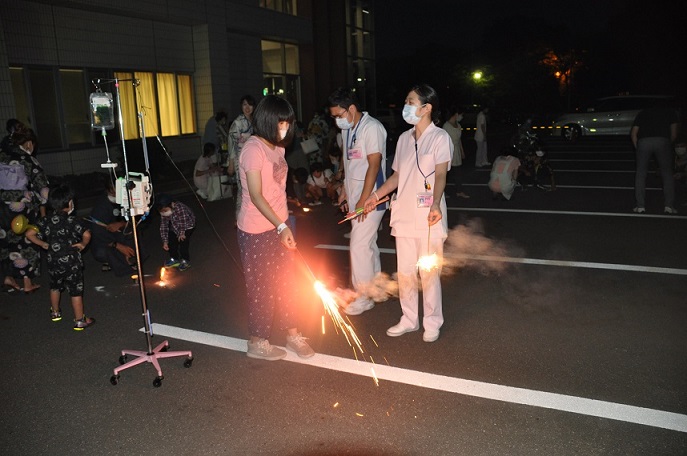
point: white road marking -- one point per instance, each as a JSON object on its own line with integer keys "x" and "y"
{"x": 579, "y": 187}
{"x": 573, "y": 404}
{"x": 563, "y": 263}
{"x": 596, "y": 214}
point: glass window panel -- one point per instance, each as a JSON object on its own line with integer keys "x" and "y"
{"x": 75, "y": 107}
{"x": 46, "y": 117}
{"x": 272, "y": 57}
{"x": 126, "y": 95}
{"x": 21, "y": 100}
{"x": 169, "y": 109}
{"x": 291, "y": 58}
{"x": 146, "y": 102}
{"x": 186, "y": 112}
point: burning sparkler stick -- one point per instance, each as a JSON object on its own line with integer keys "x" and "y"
{"x": 332, "y": 309}
{"x": 428, "y": 262}
{"x": 358, "y": 212}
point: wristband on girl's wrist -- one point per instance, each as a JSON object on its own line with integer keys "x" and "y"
{"x": 281, "y": 227}
{"x": 374, "y": 192}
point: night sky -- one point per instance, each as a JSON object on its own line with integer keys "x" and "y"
{"x": 625, "y": 47}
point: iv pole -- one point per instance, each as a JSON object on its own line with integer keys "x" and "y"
{"x": 151, "y": 355}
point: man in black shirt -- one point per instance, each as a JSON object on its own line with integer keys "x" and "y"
{"x": 653, "y": 132}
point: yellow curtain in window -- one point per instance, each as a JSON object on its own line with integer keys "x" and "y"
{"x": 126, "y": 96}
{"x": 188, "y": 120}
{"x": 167, "y": 99}
{"x": 146, "y": 102}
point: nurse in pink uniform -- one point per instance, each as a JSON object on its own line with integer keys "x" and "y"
{"x": 422, "y": 160}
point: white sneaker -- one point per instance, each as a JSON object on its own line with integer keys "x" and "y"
{"x": 299, "y": 346}
{"x": 430, "y": 336}
{"x": 669, "y": 210}
{"x": 263, "y": 350}
{"x": 359, "y": 306}
{"x": 639, "y": 210}
{"x": 399, "y": 330}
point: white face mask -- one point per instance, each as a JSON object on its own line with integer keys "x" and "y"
{"x": 71, "y": 208}
{"x": 166, "y": 213}
{"x": 112, "y": 198}
{"x": 343, "y": 123}
{"x": 459, "y": 117}
{"x": 283, "y": 133}
{"x": 409, "y": 114}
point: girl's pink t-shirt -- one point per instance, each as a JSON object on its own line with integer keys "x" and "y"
{"x": 257, "y": 156}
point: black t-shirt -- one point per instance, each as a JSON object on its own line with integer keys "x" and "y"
{"x": 655, "y": 122}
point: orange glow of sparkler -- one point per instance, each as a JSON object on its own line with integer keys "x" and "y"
{"x": 332, "y": 308}
{"x": 162, "y": 282}
{"x": 306, "y": 209}
{"x": 428, "y": 262}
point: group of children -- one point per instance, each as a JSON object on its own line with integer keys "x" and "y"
{"x": 64, "y": 236}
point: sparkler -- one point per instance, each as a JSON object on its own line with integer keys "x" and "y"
{"x": 428, "y": 262}
{"x": 359, "y": 211}
{"x": 162, "y": 282}
{"x": 332, "y": 309}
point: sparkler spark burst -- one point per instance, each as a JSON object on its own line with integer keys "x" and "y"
{"x": 428, "y": 262}
{"x": 163, "y": 271}
{"x": 332, "y": 308}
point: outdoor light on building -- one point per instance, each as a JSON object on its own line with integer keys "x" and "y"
{"x": 476, "y": 76}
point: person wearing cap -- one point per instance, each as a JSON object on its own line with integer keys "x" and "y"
{"x": 179, "y": 219}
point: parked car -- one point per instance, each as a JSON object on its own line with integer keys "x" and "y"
{"x": 608, "y": 116}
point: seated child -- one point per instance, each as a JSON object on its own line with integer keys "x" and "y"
{"x": 207, "y": 168}
{"x": 64, "y": 237}
{"x": 178, "y": 218}
{"x": 320, "y": 180}
{"x": 504, "y": 175}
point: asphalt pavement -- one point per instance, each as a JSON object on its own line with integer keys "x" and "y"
{"x": 564, "y": 335}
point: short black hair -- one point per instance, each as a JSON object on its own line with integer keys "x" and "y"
{"x": 163, "y": 200}
{"x": 270, "y": 111}
{"x": 315, "y": 167}
{"x": 60, "y": 196}
{"x": 12, "y": 124}
{"x": 344, "y": 97}
{"x": 208, "y": 149}
{"x": 247, "y": 98}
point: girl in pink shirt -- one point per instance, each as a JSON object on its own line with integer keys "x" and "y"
{"x": 265, "y": 240}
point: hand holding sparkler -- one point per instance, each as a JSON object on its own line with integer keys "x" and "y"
{"x": 434, "y": 215}
{"x": 359, "y": 211}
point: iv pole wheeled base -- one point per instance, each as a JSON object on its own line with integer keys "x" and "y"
{"x": 143, "y": 357}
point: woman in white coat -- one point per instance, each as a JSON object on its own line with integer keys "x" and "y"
{"x": 422, "y": 160}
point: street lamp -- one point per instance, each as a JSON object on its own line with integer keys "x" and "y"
{"x": 476, "y": 79}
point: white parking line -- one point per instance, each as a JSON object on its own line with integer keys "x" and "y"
{"x": 573, "y": 404}
{"x": 596, "y": 214}
{"x": 537, "y": 261}
{"x": 581, "y": 187}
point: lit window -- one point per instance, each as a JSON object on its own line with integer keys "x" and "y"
{"x": 186, "y": 111}
{"x": 167, "y": 97}
{"x": 283, "y": 6}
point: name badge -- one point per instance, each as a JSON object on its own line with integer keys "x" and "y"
{"x": 425, "y": 199}
{"x": 354, "y": 154}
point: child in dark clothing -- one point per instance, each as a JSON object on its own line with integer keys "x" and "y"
{"x": 180, "y": 219}
{"x": 64, "y": 237}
